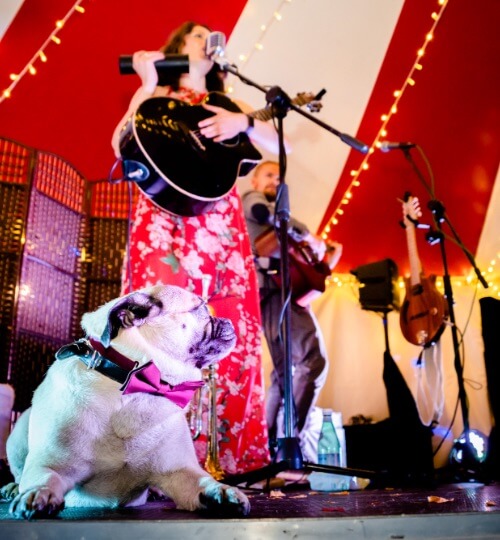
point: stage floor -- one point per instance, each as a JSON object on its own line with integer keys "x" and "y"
{"x": 458, "y": 511}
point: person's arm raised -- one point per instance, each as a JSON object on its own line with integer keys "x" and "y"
{"x": 143, "y": 63}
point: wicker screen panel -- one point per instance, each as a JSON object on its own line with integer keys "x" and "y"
{"x": 43, "y": 232}
{"x": 107, "y": 239}
{"x": 34, "y": 354}
{"x": 55, "y": 233}
{"x": 15, "y": 162}
{"x": 98, "y": 293}
{"x": 15, "y": 178}
{"x": 5, "y": 344}
{"x": 60, "y": 181}
{"x": 10, "y": 266}
{"x": 112, "y": 200}
{"x": 13, "y": 209}
{"x": 9, "y": 274}
{"x": 46, "y": 300}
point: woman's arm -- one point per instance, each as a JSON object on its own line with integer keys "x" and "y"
{"x": 143, "y": 63}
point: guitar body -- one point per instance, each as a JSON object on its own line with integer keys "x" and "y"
{"x": 307, "y": 274}
{"x": 173, "y": 164}
{"x": 423, "y": 312}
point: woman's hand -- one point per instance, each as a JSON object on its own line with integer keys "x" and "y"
{"x": 143, "y": 63}
{"x": 223, "y": 124}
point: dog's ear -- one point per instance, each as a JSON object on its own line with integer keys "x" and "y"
{"x": 132, "y": 310}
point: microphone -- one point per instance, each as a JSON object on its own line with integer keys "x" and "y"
{"x": 386, "y": 146}
{"x": 216, "y": 45}
{"x": 172, "y": 63}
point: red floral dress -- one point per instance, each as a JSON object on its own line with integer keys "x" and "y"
{"x": 169, "y": 249}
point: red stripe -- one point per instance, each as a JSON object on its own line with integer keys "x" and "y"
{"x": 452, "y": 113}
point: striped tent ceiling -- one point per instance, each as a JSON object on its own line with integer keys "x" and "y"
{"x": 361, "y": 52}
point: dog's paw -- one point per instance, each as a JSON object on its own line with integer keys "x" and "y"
{"x": 220, "y": 500}
{"x": 36, "y": 503}
{"x": 9, "y": 491}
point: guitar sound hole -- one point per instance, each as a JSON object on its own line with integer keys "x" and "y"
{"x": 417, "y": 289}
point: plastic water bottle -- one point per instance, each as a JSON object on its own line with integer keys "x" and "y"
{"x": 328, "y": 444}
{"x": 329, "y": 453}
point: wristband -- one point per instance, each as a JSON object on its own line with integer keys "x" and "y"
{"x": 251, "y": 123}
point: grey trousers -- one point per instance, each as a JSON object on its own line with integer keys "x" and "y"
{"x": 308, "y": 355}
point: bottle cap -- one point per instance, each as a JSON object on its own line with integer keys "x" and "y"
{"x": 327, "y": 412}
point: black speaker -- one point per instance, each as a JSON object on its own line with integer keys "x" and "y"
{"x": 379, "y": 290}
{"x": 490, "y": 319}
{"x": 401, "y": 453}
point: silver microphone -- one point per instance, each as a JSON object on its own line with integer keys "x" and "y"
{"x": 386, "y": 146}
{"x": 216, "y": 45}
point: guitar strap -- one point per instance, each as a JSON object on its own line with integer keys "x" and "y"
{"x": 430, "y": 384}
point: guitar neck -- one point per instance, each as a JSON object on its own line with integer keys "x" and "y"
{"x": 262, "y": 114}
{"x": 268, "y": 113}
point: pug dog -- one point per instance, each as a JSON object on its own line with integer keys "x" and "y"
{"x": 108, "y": 421}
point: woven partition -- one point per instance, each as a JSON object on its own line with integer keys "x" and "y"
{"x": 108, "y": 221}
{"x": 16, "y": 162}
{"x": 62, "y": 241}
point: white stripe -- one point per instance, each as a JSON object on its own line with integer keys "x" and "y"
{"x": 8, "y": 10}
{"x": 334, "y": 44}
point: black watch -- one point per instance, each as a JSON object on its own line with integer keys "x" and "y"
{"x": 251, "y": 124}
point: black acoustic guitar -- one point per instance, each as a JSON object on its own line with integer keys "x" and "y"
{"x": 174, "y": 165}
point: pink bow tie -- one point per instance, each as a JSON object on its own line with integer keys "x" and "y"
{"x": 147, "y": 379}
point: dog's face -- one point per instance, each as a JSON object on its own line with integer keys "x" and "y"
{"x": 164, "y": 324}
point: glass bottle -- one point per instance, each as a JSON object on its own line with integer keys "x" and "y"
{"x": 328, "y": 444}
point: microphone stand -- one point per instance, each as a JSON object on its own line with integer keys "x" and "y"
{"x": 288, "y": 455}
{"x": 439, "y": 214}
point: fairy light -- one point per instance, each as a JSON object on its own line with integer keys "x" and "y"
{"x": 492, "y": 277}
{"x": 348, "y": 280}
{"x": 385, "y": 118}
{"x": 264, "y": 28}
{"x": 40, "y": 53}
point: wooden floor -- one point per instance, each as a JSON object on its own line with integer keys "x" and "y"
{"x": 449, "y": 511}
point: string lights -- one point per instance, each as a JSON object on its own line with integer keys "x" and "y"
{"x": 385, "y": 118}
{"x": 264, "y": 29}
{"x": 491, "y": 275}
{"x": 40, "y": 55}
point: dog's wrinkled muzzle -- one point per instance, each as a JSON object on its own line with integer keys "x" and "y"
{"x": 218, "y": 340}
{"x": 223, "y": 330}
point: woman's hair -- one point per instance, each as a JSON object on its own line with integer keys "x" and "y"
{"x": 214, "y": 78}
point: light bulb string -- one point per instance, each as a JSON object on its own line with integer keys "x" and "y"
{"x": 40, "y": 52}
{"x": 382, "y": 132}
